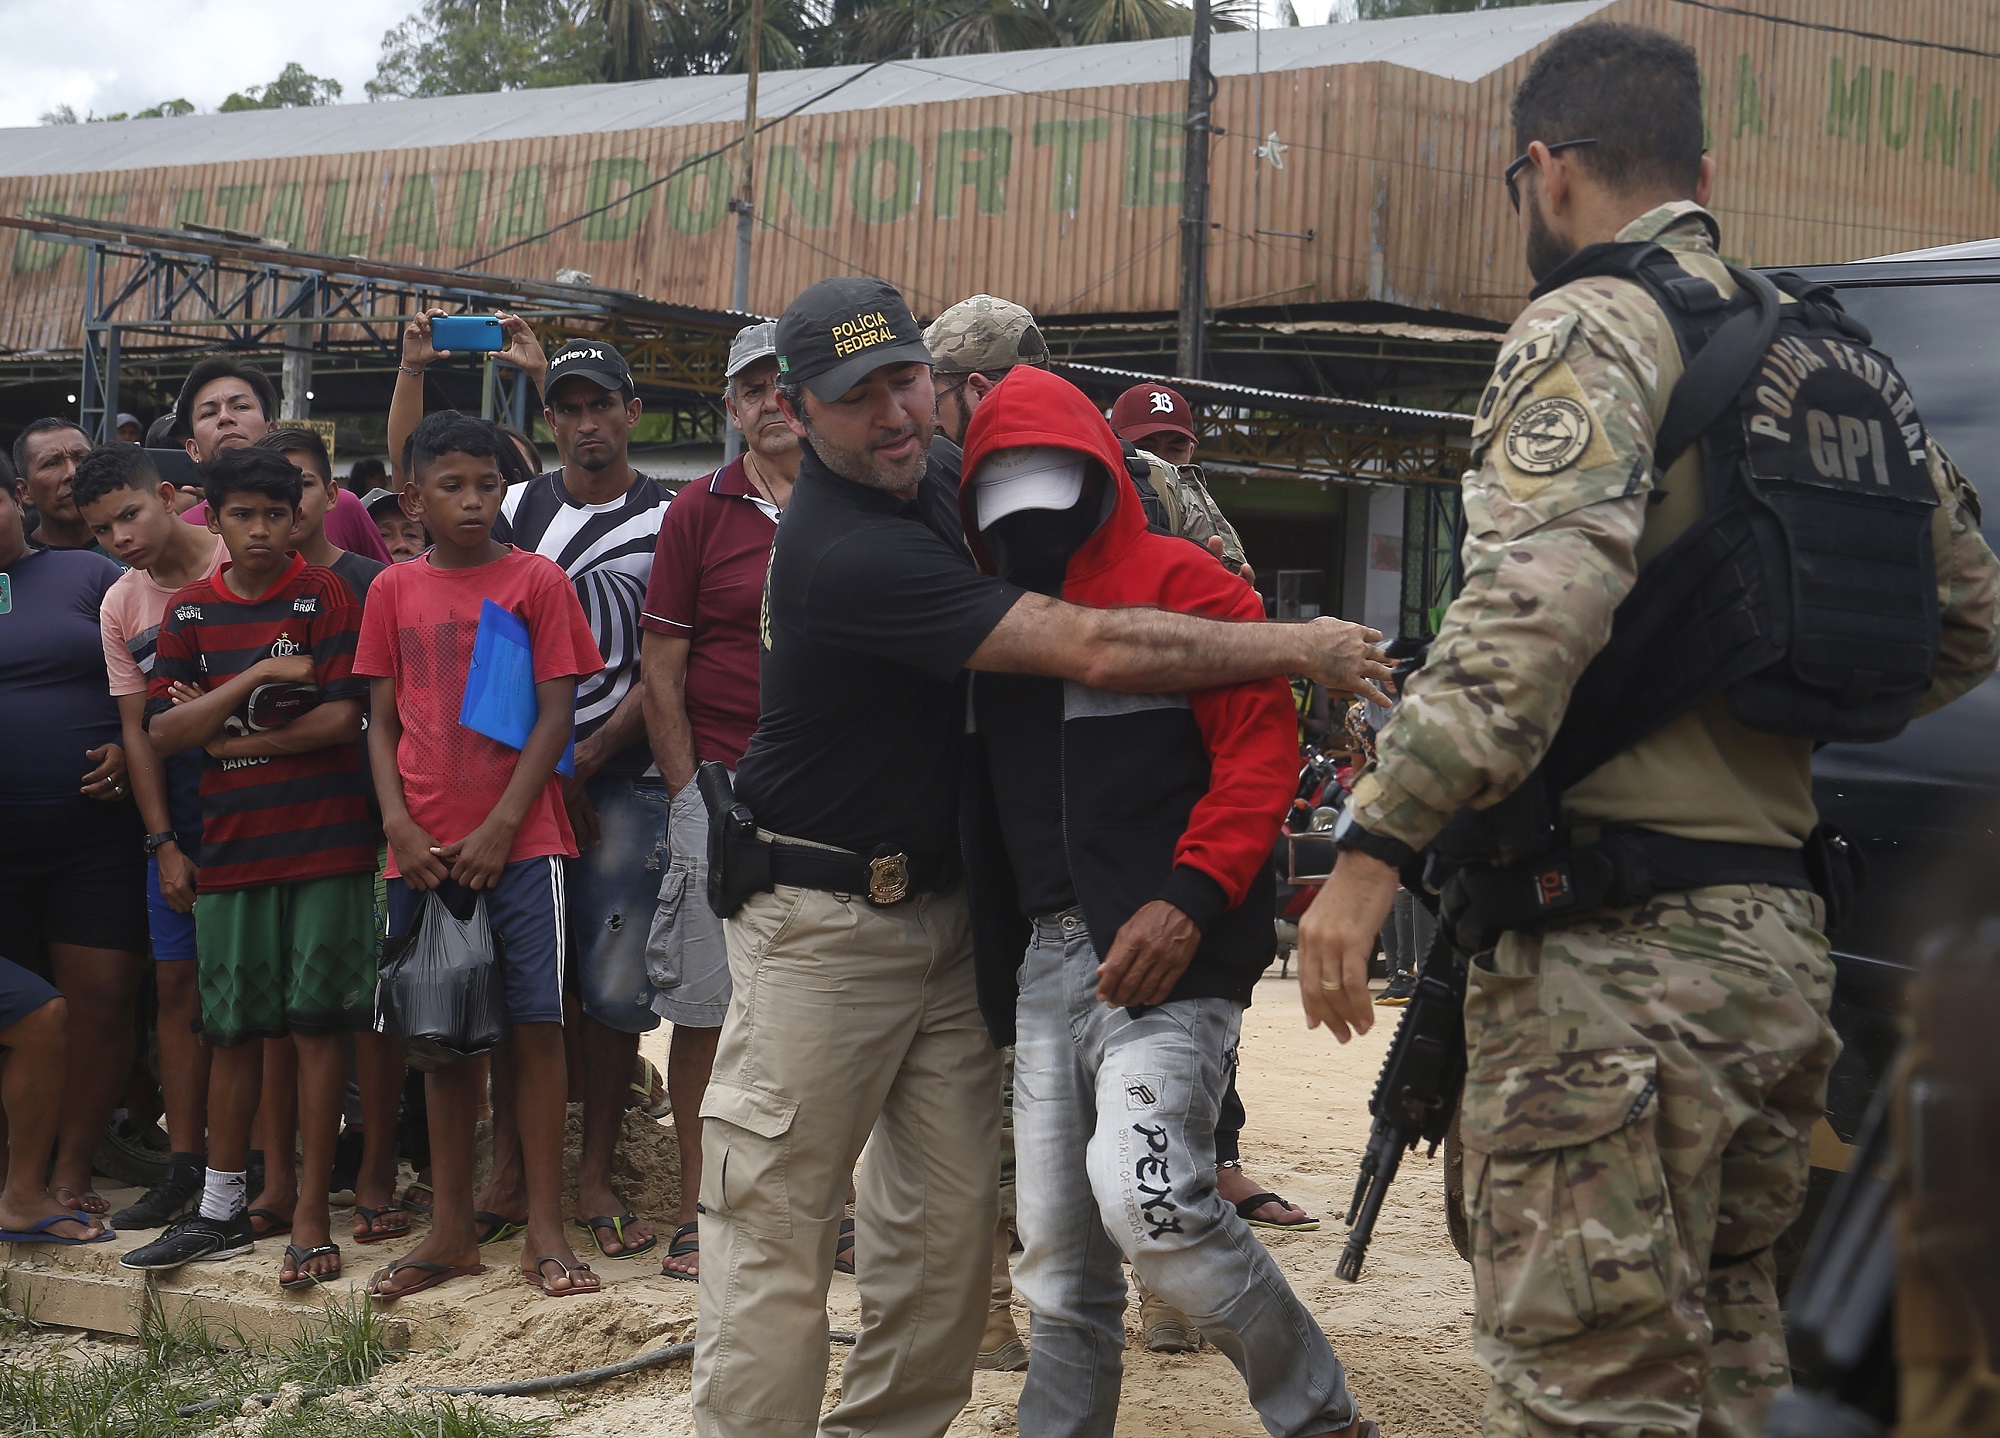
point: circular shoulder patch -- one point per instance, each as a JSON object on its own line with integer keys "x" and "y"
{"x": 1548, "y": 435}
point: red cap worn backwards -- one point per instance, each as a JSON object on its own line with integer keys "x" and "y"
{"x": 1150, "y": 408}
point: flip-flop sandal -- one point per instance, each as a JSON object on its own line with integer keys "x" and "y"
{"x": 643, "y": 1088}
{"x": 39, "y": 1232}
{"x": 418, "y": 1197}
{"x": 375, "y": 1233}
{"x": 300, "y": 1257}
{"x": 1245, "y": 1207}
{"x": 503, "y": 1228}
{"x": 433, "y": 1275}
{"x": 616, "y": 1223}
{"x": 280, "y": 1225}
{"x": 82, "y": 1204}
{"x": 534, "y": 1278}
{"x": 846, "y": 1245}
{"x": 686, "y": 1244}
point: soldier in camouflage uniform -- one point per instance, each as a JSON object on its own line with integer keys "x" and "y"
{"x": 1642, "y": 1080}
{"x": 1157, "y": 422}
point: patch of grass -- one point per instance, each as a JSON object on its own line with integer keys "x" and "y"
{"x": 418, "y": 1417}
{"x": 347, "y": 1343}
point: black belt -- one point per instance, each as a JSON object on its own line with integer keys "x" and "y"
{"x": 1623, "y": 867}
{"x": 884, "y": 879}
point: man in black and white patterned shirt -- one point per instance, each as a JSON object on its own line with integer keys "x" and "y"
{"x": 600, "y": 519}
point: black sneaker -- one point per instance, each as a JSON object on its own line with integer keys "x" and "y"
{"x": 173, "y": 1197}
{"x": 194, "y": 1240}
{"x": 1402, "y": 988}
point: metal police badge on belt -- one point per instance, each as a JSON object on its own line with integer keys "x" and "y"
{"x": 889, "y": 879}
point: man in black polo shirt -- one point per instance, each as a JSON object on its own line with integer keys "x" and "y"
{"x": 853, "y": 1018}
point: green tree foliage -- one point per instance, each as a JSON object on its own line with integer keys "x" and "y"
{"x": 295, "y": 87}
{"x": 463, "y": 47}
{"x": 1396, "y": 9}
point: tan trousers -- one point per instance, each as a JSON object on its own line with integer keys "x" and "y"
{"x": 849, "y": 1025}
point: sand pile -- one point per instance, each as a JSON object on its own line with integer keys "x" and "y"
{"x": 645, "y": 1171}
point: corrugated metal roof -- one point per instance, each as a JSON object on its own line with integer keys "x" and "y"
{"x": 1454, "y": 47}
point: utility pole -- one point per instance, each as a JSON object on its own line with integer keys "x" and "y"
{"x": 745, "y": 203}
{"x": 1191, "y": 356}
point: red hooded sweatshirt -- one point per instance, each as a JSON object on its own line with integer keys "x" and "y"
{"x": 1172, "y": 796}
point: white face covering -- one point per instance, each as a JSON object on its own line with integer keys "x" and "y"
{"x": 1035, "y": 477}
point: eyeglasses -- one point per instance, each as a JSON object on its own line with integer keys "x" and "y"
{"x": 1522, "y": 161}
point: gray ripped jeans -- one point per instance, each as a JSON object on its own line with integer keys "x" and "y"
{"x": 1114, "y": 1120}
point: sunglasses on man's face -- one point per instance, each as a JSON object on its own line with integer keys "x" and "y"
{"x": 1522, "y": 161}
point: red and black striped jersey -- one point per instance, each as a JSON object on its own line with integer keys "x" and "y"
{"x": 278, "y": 818}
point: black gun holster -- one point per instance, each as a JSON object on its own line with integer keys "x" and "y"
{"x": 739, "y": 863}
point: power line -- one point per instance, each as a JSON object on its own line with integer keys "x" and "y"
{"x": 1840, "y": 29}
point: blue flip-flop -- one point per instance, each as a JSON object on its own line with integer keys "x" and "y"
{"x": 40, "y": 1232}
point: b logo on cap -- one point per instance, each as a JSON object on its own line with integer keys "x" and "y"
{"x": 1163, "y": 403}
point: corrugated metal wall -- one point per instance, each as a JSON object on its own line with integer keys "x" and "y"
{"x": 1831, "y": 147}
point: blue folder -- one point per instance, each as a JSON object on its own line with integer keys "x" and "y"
{"x": 500, "y": 686}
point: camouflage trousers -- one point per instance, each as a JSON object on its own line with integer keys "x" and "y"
{"x": 1636, "y": 1121}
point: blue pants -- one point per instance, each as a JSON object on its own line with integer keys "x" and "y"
{"x": 614, "y": 889}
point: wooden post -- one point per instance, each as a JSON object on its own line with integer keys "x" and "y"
{"x": 1190, "y": 356}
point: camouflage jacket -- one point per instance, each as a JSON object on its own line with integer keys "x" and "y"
{"x": 1558, "y": 521}
{"x": 1192, "y": 512}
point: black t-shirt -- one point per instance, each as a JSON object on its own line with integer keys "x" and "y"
{"x": 872, "y": 607}
{"x": 357, "y": 572}
{"x": 1020, "y": 720}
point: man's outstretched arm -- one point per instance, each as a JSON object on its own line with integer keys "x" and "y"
{"x": 1148, "y": 651}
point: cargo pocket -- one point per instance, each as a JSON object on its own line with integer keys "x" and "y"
{"x": 663, "y": 958}
{"x": 1572, "y": 1229}
{"x": 748, "y": 1178}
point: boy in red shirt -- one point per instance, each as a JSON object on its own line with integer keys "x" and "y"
{"x": 460, "y": 807}
{"x": 284, "y": 923}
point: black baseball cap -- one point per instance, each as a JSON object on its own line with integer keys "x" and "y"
{"x": 841, "y": 329}
{"x": 593, "y": 360}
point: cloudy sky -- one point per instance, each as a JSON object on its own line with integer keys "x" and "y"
{"x": 106, "y": 56}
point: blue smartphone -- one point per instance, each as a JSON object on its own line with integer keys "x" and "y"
{"x": 467, "y": 332}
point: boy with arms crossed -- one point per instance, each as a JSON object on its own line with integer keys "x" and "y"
{"x": 461, "y": 807}
{"x": 130, "y": 510}
{"x": 284, "y": 923}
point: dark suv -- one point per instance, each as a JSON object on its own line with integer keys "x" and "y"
{"x": 1930, "y": 794}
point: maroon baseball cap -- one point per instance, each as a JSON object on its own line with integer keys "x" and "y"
{"x": 1148, "y": 409}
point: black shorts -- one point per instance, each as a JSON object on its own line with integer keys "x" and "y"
{"x": 72, "y": 873}
{"x": 21, "y": 993}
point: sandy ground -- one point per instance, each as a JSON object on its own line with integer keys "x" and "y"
{"x": 1403, "y": 1331}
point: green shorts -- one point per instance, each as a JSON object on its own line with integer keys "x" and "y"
{"x": 287, "y": 958}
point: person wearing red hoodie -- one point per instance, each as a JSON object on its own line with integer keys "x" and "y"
{"x": 1122, "y": 843}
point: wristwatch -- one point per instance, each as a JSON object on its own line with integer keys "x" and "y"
{"x": 157, "y": 842}
{"x": 1349, "y": 835}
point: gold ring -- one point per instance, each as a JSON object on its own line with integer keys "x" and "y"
{"x": 1325, "y": 985}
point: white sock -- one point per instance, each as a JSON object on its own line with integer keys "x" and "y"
{"x": 224, "y": 1195}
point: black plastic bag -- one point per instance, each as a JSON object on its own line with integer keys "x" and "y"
{"x": 440, "y": 989}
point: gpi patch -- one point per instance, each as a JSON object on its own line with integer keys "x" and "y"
{"x": 1547, "y": 435}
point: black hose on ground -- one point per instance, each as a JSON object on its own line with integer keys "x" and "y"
{"x": 520, "y": 1388}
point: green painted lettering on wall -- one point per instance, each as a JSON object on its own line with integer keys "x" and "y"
{"x": 232, "y": 205}
{"x": 1068, "y": 137}
{"x": 1896, "y": 134}
{"x": 334, "y": 236}
{"x": 866, "y": 186}
{"x": 191, "y": 206}
{"x": 980, "y": 158}
{"x": 524, "y": 211}
{"x": 1749, "y": 111}
{"x": 98, "y": 207}
{"x": 286, "y": 219}
{"x": 1154, "y": 148}
{"x": 698, "y": 197}
{"x": 1942, "y": 126}
{"x": 32, "y": 255}
{"x": 414, "y": 221}
{"x": 787, "y": 173}
{"x": 1847, "y": 102}
{"x": 610, "y": 178}
{"x": 465, "y": 213}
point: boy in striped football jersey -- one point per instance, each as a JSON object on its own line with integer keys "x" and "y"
{"x": 254, "y": 666}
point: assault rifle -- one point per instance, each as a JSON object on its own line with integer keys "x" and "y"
{"x": 1418, "y": 1091}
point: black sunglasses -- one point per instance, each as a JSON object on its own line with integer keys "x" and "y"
{"x": 1522, "y": 161}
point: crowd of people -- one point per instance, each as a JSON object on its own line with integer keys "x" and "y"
{"x": 921, "y": 767}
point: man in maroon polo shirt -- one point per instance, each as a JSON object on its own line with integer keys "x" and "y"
{"x": 699, "y": 668}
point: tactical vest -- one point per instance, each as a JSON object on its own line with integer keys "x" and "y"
{"x": 1806, "y": 592}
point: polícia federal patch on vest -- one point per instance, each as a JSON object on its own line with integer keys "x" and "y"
{"x": 1547, "y": 435}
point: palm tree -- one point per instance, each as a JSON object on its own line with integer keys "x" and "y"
{"x": 631, "y": 37}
